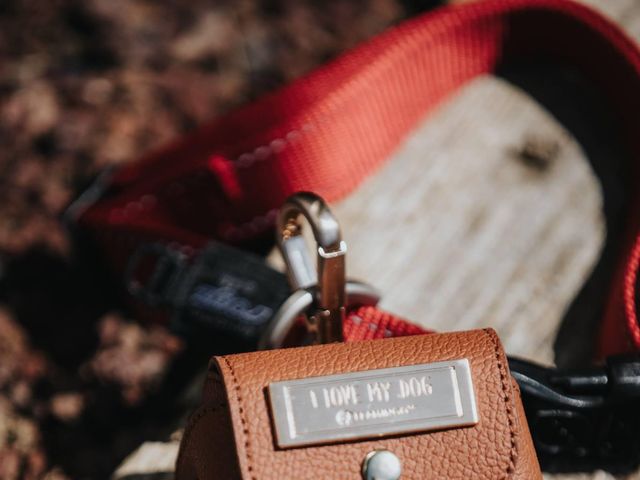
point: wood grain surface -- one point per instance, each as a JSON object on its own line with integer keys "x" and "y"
{"x": 491, "y": 214}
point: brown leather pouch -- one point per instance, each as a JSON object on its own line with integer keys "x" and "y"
{"x": 234, "y": 435}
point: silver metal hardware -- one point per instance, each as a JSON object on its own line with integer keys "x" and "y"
{"x": 327, "y": 281}
{"x": 381, "y": 465}
{"x": 301, "y": 301}
{"x": 373, "y": 403}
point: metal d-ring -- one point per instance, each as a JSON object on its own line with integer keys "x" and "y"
{"x": 326, "y": 282}
{"x": 300, "y": 301}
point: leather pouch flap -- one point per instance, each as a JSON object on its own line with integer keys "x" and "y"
{"x": 488, "y": 449}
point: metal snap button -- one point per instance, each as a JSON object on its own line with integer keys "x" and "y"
{"x": 381, "y": 465}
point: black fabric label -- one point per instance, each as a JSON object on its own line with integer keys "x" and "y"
{"x": 226, "y": 291}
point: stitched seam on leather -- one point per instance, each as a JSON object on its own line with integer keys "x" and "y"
{"x": 507, "y": 400}
{"x": 193, "y": 420}
{"x": 245, "y": 425}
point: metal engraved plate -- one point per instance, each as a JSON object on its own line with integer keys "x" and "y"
{"x": 373, "y": 403}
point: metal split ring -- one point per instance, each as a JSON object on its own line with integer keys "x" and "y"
{"x": 300, "y": 301}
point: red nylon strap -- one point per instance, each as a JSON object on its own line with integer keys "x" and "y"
{"x": 363, "y": 323}
{"x": 368, "y": 323}
{"x": 330, "y": 130}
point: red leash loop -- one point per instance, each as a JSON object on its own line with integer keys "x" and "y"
{"x": 328, "y": 131}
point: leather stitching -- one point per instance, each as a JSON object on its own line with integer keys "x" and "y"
{"x": 193, "y": 420}
{"x": 507, "y": 400}
{"x": 245, "y": 425}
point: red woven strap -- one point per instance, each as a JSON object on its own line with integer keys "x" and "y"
{"x": 333, "y": 128}
{"x": 368, "y": 323}
{"x": 362, "y": 323}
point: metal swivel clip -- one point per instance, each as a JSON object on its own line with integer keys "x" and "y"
{"x": 321, "y": 292}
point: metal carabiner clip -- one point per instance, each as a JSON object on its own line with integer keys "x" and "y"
{"x": 321, "y": 291}
{"x": 329, "y": 280}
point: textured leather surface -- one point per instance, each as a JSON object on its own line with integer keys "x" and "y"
{"x": 527, "y": 463}
{"x": 231, "y": 435}
{"x": 207, "y": 450}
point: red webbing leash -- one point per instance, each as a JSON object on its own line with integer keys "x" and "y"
{"x": 328, "y": 131}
